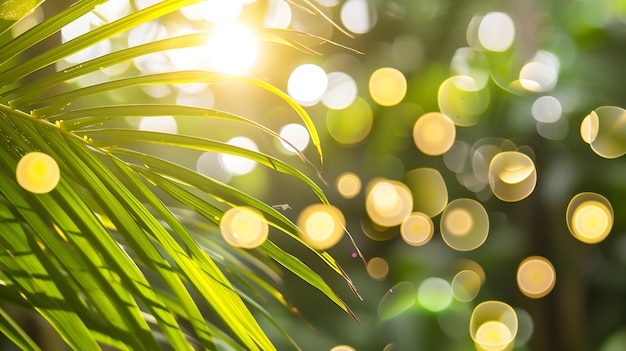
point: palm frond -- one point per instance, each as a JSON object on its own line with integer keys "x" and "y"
{"x": 104, "y": 257}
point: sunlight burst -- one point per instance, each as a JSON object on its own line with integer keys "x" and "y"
{"x": 233, "y": 48}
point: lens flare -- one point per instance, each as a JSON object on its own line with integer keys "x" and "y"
{"x": 387, "y": 86}
{"x": 218, "y": 11}
{"x": 434, "y": 133}
{"x": 322, "y": 226}
{"x": 464, "y": 224}
{"x": 244, "y": 227}
{"x": 37, "y": 172}
{"x": 233, "y": 48}
{"x": 536, "y": 277}
{"x": 493, "y": 326}
{"x": 417, "y": 229}
{"x": 512, "y": 176}
{"x": 589, "y": 217}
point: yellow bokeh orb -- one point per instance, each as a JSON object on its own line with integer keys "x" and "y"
{"x": 589, "y": 127}
{"x": 322, "y": 226}
{"x": 493, "y": 336}
{"x": 417, "y": 229}
{"x": 388, "y": 202}
{"x": 458, "y": 222}
{"x": 493, "y": 326}
{"x": 37, "y": 172}
{"x": 589, "y": 217}
{"x": 512, "y": 176}
{"x": 244, "y": 227}
{"x": 348, "y": 185}
{"x": 377, "y": 268}
{"x": 464, "y": 224}
{"x": 387, "y": 86}
{"x": 536, "y": 277}
{"x": 604, "y": 130}
{"x": 434, "y": 133}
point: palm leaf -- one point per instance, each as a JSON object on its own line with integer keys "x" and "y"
{"x": 57, "y": 102}
{"x": 104, "y": 258}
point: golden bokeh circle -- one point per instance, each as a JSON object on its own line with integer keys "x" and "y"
{"x": 377, "y": 268}
{"x": 464, "y": 224}
{"x": 434, "y": 133}
{"x": 512, "y": 176}
{"x": 387, "y": 86}
{"x": 589, "y": 127}
{"x": 322, "y": 226}
{"x": 37, "y": 172}
{"x": 348, "y": 185}
{"x": 493, "y": 336}
{"x": 604, "y": 130}
{"x": 244, "y": 226}
{"x": 417, "y": 229}
{"x": 589, "y": 217}
{"x": 493, "y": 326}
{"x": 388, "y": 202}
{"x": 536, "y": 277}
